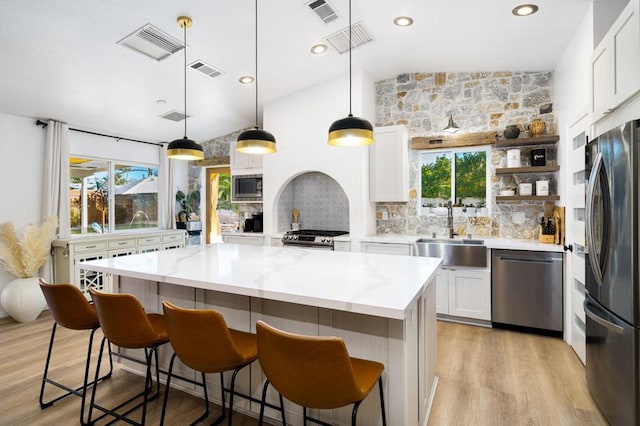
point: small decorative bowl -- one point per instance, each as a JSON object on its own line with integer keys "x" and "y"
{"x": 536, "y": 127}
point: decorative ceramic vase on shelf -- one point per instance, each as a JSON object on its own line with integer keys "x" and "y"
{"x": 536, "y": 128}
{"x": 511, "y": 132}
{"x": 22, "y": 299}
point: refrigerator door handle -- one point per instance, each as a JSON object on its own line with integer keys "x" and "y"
{"x": 603, "y": 322}
{"x": 593, "y": 180}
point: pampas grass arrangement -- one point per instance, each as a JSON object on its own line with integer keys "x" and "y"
{"x": 24, "y": 258}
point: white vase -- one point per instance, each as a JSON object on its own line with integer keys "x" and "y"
{"x": 22, "y": 299}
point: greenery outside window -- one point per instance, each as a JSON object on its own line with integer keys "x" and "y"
{"x": 459, "y": 175}
{"x": 96, "y": 209}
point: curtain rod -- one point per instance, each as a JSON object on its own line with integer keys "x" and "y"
{"x": 45, "y": 124}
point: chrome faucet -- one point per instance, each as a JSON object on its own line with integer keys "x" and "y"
{"x": 450, "y": 219}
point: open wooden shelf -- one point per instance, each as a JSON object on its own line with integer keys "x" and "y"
{"x": 541, "y": 140}
{"x": 527, "y": 197}
{"x": 531, "y": 169}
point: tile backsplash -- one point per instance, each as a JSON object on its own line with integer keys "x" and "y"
{"x": 321, "y": 201}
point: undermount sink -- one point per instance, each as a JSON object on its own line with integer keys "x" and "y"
{"x": 462, "y": 252}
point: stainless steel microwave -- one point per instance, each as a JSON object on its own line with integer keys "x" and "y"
{"x": 246, "y": 188}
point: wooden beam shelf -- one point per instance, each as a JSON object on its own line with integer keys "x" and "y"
{"x": 527, "y": 197}
{"x": 540, "y": 140}
{"x": 213, "y": 161}
{"x": 531, "y": 169}
{"x": 457, "y": 140}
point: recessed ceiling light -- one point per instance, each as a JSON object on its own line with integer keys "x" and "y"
{"x": 403, "y": 21}
{"x": 246, "y": 79}
{"x": 161, "y": 102}
{"x": 318, "y": 49}
{"x": 525, "y": 10}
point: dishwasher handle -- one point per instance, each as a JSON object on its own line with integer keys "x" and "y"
{"x": 528, "y": 259}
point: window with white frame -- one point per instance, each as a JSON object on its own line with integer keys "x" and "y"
{"x": 112, "y": 196}
{"x": 459, "y": 175}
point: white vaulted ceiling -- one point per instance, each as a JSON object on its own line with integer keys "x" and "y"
{"x": 60, "y": 59}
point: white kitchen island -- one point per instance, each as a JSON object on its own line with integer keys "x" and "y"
{"x": 383, "y": 306}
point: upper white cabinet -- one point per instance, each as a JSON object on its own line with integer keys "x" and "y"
{"x": 242, "y": 162}
{"x": 389, "y": 164}
{"x": 615, "y": 64}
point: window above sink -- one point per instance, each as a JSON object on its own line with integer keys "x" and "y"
{"x": 460, "y": 175}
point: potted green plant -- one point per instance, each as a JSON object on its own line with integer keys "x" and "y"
{"x": 188, "y": 204}
{"x": 22, "y": 298}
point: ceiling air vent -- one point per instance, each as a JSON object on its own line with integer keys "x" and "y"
{"x": 152, "y": 42}
{"x": 340, "y": 40}
{"x": 322, "y": 10}
{"x": 205, "y": 68}
{"x": 174, "y": 115}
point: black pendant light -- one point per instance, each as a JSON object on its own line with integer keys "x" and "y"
{"x": 185, "y": 148}
{"x": 350, "y": 131}
{"x": 256, "y": 140}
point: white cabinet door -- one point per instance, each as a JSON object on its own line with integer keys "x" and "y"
{"x": 575, "y": 237}
{"x": 389, "y": 165}
{"x": 442, "y": 291}
{"x": 470, "y": 293}
{"x": 242, "y": 161}
{"x": 615, "y": 63}
{"x": 601, "y": 80}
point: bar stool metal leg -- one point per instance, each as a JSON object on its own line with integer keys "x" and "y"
{"x": 79, "y": 391}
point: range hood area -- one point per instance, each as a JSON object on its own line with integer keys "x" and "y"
{"x": 301, "y": 122}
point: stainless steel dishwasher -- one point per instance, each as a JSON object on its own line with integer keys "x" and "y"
{"x": 526, "y": 290}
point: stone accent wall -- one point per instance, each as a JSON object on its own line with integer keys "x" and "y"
{"x": 220, "y": 147}
{"x": 478, "y": 102}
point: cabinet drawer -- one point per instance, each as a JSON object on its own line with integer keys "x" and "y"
{"x": 145, "y": 241}
{"x": 387, "y": 248}
{"x": 172, "y": 238}
{"x": 90, "y": 246}
{"x": 122, "y": 243}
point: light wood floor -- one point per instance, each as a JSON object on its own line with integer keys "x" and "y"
{"x": 487, "y": 377}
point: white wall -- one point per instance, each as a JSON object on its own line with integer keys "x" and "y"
{"x": 21, "y": 165}
{"x": 300, "y": 123}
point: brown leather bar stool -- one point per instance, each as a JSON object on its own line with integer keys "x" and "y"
{"x": 125, "y": 324}
{"x": 70, "y": 309}
{"x": 203, "y": 342}
{"x": 315, "y": 372}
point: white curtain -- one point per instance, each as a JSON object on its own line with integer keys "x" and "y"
{"x": 55, "y": 193}
{"x": 165, "y": 191}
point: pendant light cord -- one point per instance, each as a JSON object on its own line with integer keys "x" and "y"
{"x": 184, "y": 25}
{"x": 256, "y": 62}
{"x": 350, "y": 89}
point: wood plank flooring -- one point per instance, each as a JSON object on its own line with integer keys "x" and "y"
{"x": 487, "y": 377}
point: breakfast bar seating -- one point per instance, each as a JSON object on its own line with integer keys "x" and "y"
{"x": 125, "y": 323}
{"x": 382, "y": 306}
{"x": 70, "y": 309}
{"x": 203, "y": 342}
{"x": 315, "y": 372}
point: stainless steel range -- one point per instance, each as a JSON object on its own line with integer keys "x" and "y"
{"x": 311, "y": 238}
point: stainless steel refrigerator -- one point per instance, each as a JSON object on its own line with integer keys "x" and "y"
{"x": 612, "y": 277}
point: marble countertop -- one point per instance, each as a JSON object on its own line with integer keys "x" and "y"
{"x": 492, "y": 243}
{"x": 371, "y": 284}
